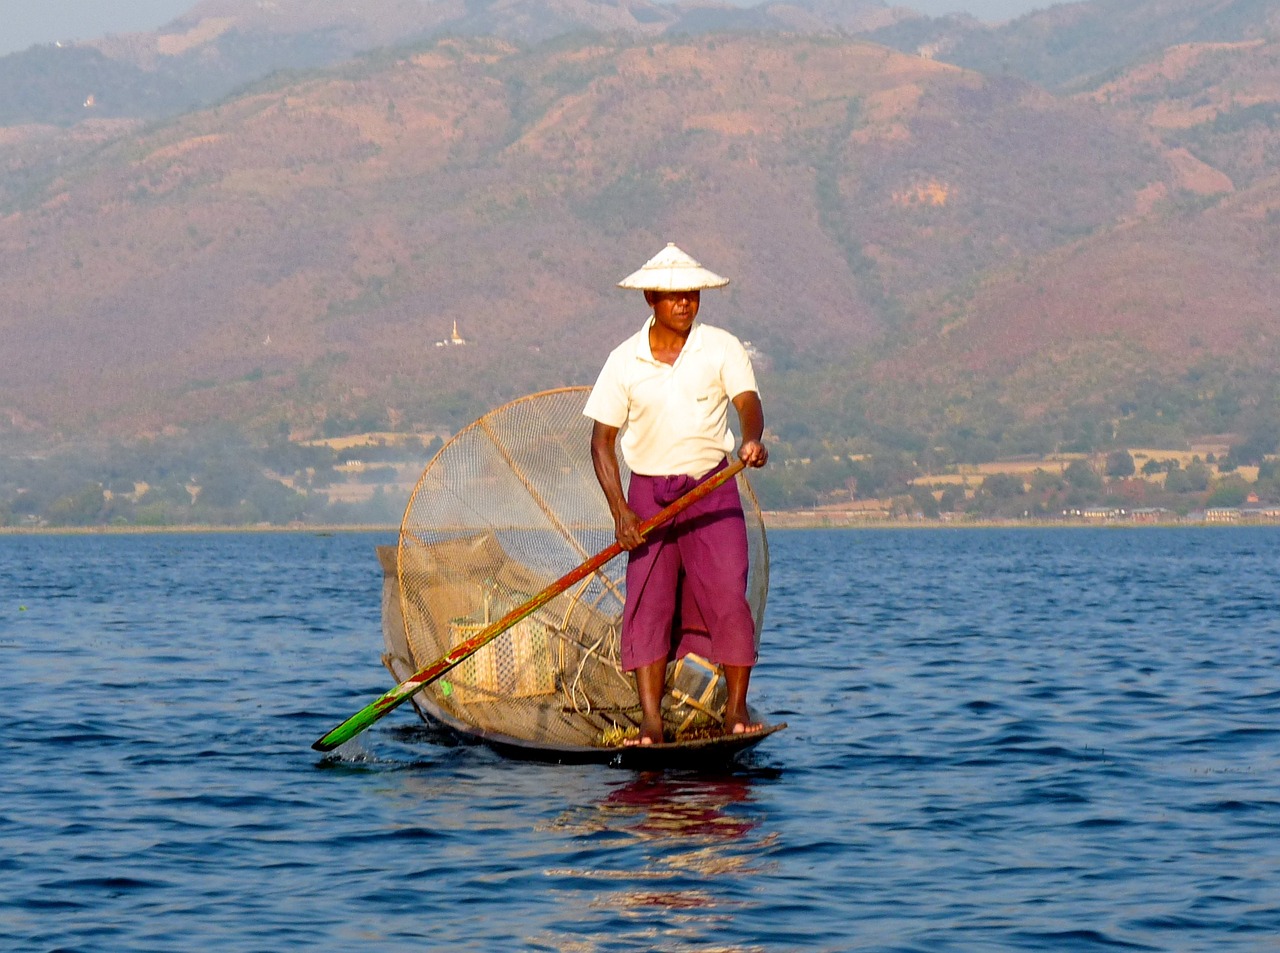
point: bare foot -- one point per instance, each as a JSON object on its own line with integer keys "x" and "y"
{"x": 650, "y": 734}
{"x": 740, "y": 723}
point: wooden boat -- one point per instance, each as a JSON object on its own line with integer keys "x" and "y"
{"x": 490, "y": 637}
{"x": 566, "y": 733}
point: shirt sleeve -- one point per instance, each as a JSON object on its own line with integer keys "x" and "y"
{"x": 608, "y": 403}
{"x": 737, "y": 373}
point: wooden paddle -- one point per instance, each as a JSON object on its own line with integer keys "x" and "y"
{"x": 463, "y": 650}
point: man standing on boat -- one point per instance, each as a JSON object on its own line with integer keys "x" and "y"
{"x": 670, "y": 385}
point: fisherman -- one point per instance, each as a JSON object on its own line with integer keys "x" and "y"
{"x": 670, "y": 385}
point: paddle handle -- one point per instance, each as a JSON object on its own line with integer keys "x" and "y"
{"x": 378, "y": 709}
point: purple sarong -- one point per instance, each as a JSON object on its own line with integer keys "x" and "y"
{"x": 687, "y": 583}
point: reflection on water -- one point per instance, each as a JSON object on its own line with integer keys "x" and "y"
{"x": 671, "y": 811}
{"x": 667, "y": 848}
{"x": 655, "y": 806}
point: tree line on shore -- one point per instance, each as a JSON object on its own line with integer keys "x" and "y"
{"x": 1045, "y": 491}
{"x": 224, "y": 478}
{"x": 216, "y": 478}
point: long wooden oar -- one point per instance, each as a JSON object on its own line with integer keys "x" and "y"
{"x": 465, "y": 649}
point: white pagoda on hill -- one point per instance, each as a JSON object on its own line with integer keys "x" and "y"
{"x": 455, "y": 339}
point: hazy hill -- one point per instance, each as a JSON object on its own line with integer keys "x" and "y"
{"x": 297, "y": 251}
{"x": 924, "y": 254}
{"x": 1155, "y": 329}
{"x": 1215, "y": 103}
{"x": 221, "y": 45}
{"x": 1076, "y": 45}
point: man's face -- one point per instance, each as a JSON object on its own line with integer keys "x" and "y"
{"x": 674, "y": 310}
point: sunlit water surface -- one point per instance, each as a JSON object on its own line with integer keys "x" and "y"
{"x": 999, "y": 740}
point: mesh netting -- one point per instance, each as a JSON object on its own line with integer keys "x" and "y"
{"x": 506, "y": 508}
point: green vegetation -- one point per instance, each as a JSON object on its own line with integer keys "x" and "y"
{"x": 219, "y": 477}
{"x": 1049, "y": 491}
{"x": 838, "y": 442}
{"x": 213, "y": 478}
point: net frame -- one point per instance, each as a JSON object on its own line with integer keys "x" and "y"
{"x": 507, "y": 506}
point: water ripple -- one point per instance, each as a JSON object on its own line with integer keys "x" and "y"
{"x": 1057, "y": 740}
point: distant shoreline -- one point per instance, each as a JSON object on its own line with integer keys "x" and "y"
{"x": 192, "y": 529}
{"x": 788, "y": 524}
{"x": 774, "y": 521}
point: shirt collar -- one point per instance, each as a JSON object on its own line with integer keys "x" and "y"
{"x": 645, "y": 353}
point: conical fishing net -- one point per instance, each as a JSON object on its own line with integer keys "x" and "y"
{"x": 505, "y": 509}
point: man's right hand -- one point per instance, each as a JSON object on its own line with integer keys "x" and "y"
{"x": 627, "y": 528}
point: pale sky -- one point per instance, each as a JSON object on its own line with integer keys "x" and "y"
{"x": 24, "y": 23}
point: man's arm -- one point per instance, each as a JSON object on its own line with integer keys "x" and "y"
{"x": 751, "y": 421}
{"x": 604, "y": 458}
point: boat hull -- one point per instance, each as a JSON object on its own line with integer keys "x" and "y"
{"x": 709, "y": 752}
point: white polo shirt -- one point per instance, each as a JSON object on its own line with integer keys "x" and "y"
{"x": 674, "y": 417}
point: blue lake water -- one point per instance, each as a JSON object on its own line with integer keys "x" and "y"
{"x": 999, "y": 740}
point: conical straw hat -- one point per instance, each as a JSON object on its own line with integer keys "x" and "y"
{"x": 672, "y": 270}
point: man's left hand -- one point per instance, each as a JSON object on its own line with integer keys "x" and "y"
{"x": 753, "y": 453}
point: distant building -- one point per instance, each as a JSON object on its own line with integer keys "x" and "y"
{"x": 455, "y": 339}
{"x": 1150, "y": 514}
{"x": 1222, "y": 514}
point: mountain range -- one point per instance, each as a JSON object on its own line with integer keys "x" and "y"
{"x": 1061, "y": 229}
